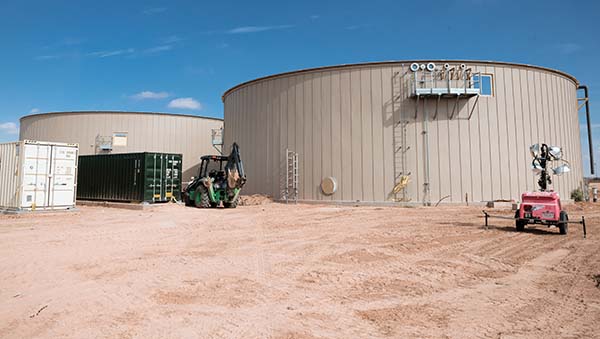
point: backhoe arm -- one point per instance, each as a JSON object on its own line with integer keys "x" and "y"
{"x": 236, "y": 177}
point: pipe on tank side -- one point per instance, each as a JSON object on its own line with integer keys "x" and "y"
{"x": 589, "y": 126}
{"x": 425, "y": 132}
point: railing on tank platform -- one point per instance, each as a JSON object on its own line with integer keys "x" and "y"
{"x": 444, "y": 82}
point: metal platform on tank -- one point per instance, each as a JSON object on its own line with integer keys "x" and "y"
{"x": 445, "y": 92}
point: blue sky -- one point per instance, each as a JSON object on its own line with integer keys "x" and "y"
{"x": 180, "y": 56}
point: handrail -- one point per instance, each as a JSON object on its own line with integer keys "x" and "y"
{"x": 430, "y": 80}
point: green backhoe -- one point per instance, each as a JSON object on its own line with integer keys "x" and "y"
{"x": 219, "y": 180}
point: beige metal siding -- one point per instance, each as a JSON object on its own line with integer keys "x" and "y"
{"x": 147, "y": 132}
{"x": 344, "y": 123}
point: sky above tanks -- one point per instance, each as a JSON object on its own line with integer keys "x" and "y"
{"x": 180, "y": 56}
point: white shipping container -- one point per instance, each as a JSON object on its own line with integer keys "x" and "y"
{"x": 36, "y": 175}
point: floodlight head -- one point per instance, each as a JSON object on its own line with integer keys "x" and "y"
{"x": 555, "y": 152}
{"x": 534, "y": 150}
{"x": 431, "y": 67}
{"x": 414, "y": 67}
{"x": 536, "y": 167}
{"x": 562, "y": 169}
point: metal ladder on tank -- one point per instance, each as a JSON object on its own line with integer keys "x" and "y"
{"x": 400, "y": 136}
{"x": 291, "y": 187}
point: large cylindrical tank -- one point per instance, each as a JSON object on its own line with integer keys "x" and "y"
{"x": 127, "y": 132}
{"x": 364, "y": 127}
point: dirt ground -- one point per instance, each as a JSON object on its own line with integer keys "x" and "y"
{"x": 305, "y": 271}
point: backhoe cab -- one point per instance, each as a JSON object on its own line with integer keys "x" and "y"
{"x": 220, "y": 179}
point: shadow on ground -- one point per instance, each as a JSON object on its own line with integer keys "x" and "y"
{"x": 541, "y": 231}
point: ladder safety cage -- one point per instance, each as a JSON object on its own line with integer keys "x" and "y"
{"x": 400, "y": 136}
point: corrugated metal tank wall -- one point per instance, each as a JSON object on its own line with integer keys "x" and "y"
{"x": 147, "y": 132}
{"x": 343, "y": 123}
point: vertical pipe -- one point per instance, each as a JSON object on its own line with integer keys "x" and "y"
{"x": 426, "y": 195}
{"x": 589, "y": 126}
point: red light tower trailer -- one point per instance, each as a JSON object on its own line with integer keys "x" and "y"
{"x": 543, "y": 207}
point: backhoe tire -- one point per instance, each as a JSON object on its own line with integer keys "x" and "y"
{"x": 186, "y": 199}
{"x": 519, "y": 223}
{"x": 563, "y": 225}
{"x": 233, "y": 203}
{"x": 202, "y": 199}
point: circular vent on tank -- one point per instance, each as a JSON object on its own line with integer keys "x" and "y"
{"x": 328, "y": 185}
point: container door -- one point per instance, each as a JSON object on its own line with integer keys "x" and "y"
{"x": 174, "y": 177}
{"x": 177, "y": 175}
{"x": 155, "y": 179}
{"x": 63, "y": 174}
{"x": 36, "y": 171}
{"x": 159, "y": 178}
{"x": 162, "y": 178}
{"x": 168, "y": 177}
{"x": 10, "y": 175}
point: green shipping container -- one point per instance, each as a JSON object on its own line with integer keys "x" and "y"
{"x": 130, "y": 177}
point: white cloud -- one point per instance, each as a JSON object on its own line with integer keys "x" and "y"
{"x": 315, "y": 17}
{"x": 150, "y": 95}
{"x": 569, "y": 47}
{"x": 185, "y": 103}
{"x": 34, "y": 111}
{"x": 172, "y": 39}
{"x": 358, "y": 26}
{"x": 9, "y": 128}
{"x": 256, "y": 29}
{"x": 47, "y": 57}
{"x": 154, "y": 10}
{"x": 158, "y": 49}
{"x": 202, "y": 71}
{"x": 106, "y": 54}
{"x": 69, "y": 41}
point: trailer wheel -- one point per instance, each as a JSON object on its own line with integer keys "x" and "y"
{"x": 202, "y": 199}
{"x": 563, "y": 225}
{"x": 519, "y": 223}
